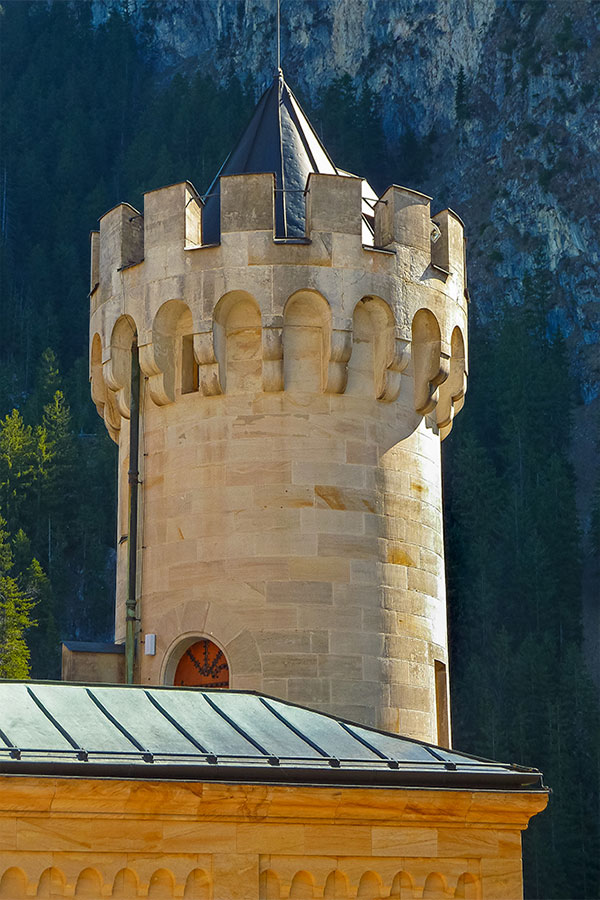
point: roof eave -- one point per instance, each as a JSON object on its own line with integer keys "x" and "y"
{"x": 290, "y": 775}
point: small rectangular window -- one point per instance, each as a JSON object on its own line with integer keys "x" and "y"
{"x": 189, "y": 366}
{"x": 441, "y": 704}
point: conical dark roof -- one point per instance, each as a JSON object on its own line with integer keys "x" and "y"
{"x": 278, "y": 139}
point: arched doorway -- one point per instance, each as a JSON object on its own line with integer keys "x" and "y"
{"x": 203, "y": 664}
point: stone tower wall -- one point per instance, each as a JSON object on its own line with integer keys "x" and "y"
{"x": 292, "y": 406}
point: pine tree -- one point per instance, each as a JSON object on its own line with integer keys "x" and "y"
{"x": 47, "y": 382}
{"x": 16, "y": 605}
{"x": 18, "y": 466}
{"x": 61, "y": 453}
{"x": 352, "y": 128}
{"x": 461, "y": 104}
{"x": 595, "y": 520}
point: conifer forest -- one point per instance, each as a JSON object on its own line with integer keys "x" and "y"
{"x": 89, "y": 120}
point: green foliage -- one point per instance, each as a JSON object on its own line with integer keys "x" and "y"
{"x": 15, "y": 608}
{"x": 545, "y": 176}
{"x": 595, "y": 521}
{"x": 559, "y": 165}
{"x": 530, "y": 60}
{"x": 536, "y": 9}
{"x": 21, "y": 450}
{"x": 461, "y": 100}
{"x": 587, "y": 92}
{"x": 47, "y": 382}
{"x": 565, "y": 40}
{"x": 521, "y": 691}
{"x": 415, "y": 155}
{"x": 20, "y": 590}
{"x": 350, "y": 126}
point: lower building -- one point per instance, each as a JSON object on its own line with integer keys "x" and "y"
{"x": 127, "y": 791}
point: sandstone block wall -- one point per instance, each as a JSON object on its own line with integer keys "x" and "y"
{"x": 110, "y": 838}
{"x": 293, "y": 401}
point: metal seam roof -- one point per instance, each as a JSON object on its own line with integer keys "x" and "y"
{"x": 54, "y": 728}
{"x": 280, "y": 139}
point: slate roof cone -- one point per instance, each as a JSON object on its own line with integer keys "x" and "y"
{"x": 280, "y": 139}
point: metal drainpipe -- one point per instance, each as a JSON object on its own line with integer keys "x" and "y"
{"x": 133, "y": 478}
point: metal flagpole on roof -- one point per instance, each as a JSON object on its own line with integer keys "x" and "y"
{"x": 279, "y": 77}
{"x": 278, "y": 35}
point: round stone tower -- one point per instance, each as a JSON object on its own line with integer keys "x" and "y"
{"x": 293, "y": 394}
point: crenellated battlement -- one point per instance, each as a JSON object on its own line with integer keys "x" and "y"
{"x": 172, "y": 217}
{"x": 385, "y": 314}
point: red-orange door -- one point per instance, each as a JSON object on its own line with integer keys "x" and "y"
{"x": 203, "y": 664}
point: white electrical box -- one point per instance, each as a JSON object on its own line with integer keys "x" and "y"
{"x": 150, "y": 645}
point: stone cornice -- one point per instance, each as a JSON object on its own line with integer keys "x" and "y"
{"x": 65, "y": 797}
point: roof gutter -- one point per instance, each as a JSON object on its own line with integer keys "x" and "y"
{"x": 290, "y": 775}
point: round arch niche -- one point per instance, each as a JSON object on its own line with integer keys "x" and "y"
{"x": 198, "y": 662}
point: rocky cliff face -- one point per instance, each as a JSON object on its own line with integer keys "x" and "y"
{"x": 501, "y": 94}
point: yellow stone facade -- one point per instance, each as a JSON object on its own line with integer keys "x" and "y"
{"x": 294, "y": 397}
{"x": 96, "y": 838}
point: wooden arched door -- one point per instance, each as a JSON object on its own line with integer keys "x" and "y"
{"x": 203, "y": 665}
